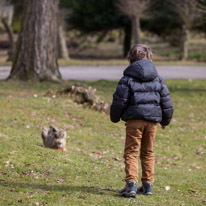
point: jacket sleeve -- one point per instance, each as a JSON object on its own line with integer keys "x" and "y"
{"x": 120, "y": 100}
{"x": 166, "y": 104}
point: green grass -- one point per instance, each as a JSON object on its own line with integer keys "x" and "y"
{"x": 157, "y": 61}
{"x": 90, "y": 172}
{"x": 114, "y": 62}
{"x": 198, "y": 56}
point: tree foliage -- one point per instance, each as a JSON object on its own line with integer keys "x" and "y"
{"x": 98, "y": 16}
{"x": 163, "y": 19}
{"x": 18, "y": 14}
{"x": 94, "y": 16}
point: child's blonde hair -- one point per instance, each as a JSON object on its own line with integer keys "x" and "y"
{"x": 139, "y": 52}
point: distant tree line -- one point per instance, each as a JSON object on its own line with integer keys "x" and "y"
{"x": 165, "y": 18}
{"x": 41, "y": 26}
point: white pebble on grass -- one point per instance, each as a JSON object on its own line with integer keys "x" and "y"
{"x": 167, "y": 188}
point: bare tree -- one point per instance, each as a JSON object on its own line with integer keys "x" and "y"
{"x": 62, "y": 43}
{"x": 6, "y": 16}
{"x": 188, "y": 15}
{"x": 197, "y": 5}
{"x": 36, "y": 55}
{"x": 134, "y": 10}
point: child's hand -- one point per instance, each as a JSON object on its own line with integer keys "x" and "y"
{"x": 163, "y": 127}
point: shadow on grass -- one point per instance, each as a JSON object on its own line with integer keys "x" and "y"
{"x": 63, "y": 188}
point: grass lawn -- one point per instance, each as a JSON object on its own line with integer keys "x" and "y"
{"x": 93, "y": 62}
{"x": 92, "y": 170}
{"x": 109, "y": 62}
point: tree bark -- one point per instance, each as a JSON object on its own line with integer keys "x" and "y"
{"x": 135, "y": 20}
{"x": 62, "y": 44}
{"x": 127, "y": 39}
{"x": 36, "y": 54}
{"x": 184, "y": 43}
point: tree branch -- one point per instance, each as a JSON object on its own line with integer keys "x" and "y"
{"x": 197, "y": 5}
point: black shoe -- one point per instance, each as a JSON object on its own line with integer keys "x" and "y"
{"x": 129, "y": 190}
{"x": 145, "y": 189}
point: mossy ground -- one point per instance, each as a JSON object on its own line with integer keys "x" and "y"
{"x": 92, "y": 170}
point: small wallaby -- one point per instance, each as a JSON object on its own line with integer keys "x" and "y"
{"x": 54, "y": 138}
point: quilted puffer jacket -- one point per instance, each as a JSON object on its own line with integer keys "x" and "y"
{"x": 142, "y": 94}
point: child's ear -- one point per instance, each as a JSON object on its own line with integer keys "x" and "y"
{"x": 129, "y": 61}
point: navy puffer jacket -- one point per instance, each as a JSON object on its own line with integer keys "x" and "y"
{"x": 142, "y": 94}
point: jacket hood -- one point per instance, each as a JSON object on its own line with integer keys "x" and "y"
{"x": 143, "y": 70}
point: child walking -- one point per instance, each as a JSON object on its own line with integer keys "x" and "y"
{"x": 142, "y": 100}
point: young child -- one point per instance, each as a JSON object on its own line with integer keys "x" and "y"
{"x": 141, "y": 100}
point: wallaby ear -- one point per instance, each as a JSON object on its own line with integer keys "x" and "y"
{"x": 44, "y": 132}
{"x": 64, "y": 132}
{"x": 53, "y": 128}
{"x": 65, "y": 128}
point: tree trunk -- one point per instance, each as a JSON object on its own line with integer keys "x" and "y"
{"x": 184, "y": 43}
{"x": 11, "y": 39}
{"x": 120, "y": 37}
{"x": 135, "y": 20}
{"x": 62, "y": 44}
{"x": 127, "y": 39}
{"x": 36, "y": 55}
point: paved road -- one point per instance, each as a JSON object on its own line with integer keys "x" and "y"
{"x": 115, "y": 72}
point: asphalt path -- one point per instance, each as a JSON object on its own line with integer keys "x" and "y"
{"x": 116, "y": 72}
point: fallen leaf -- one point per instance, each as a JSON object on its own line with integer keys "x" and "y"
{"x": 193, "y": 191}
{"x": 11, "y": 153}
{"x": 116, "y": 159}
{"x": 199, "y": 150}
{"x": 78, "y": 149}
{"x": 6, "y": 163}
{"x": 175, "y": 157}
{"x": 12, "y": 166}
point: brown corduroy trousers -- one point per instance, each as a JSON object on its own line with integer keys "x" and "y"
{"x": 139, "y": 132}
